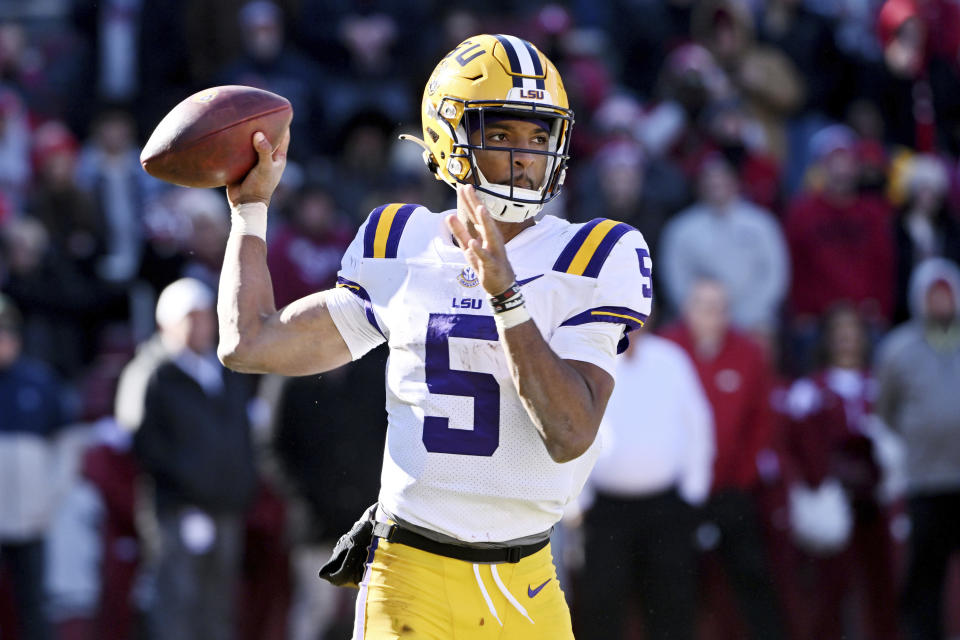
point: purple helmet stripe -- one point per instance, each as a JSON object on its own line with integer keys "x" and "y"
{"x": 537, "y": 67}
{"x": 513, "y": 58}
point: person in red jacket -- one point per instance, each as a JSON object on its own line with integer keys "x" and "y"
{"x": 736, "y": 377}
{"x": 840, "y": 242}
{"x": 305, "y": 254}
{"x": 831, "y": 443}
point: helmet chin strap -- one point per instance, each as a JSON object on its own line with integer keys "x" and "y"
{"x": 501, "y": 207}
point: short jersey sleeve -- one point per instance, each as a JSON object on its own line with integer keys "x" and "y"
{"x": 351, "y": 306}
{"x": 619, "y": 302}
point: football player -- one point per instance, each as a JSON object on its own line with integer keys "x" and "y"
{"x": 502, "y": 334}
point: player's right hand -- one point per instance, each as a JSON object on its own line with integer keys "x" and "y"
{"x": 260, "y": 183}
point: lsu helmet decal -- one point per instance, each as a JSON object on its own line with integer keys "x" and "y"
{"x": 494, "y": 77}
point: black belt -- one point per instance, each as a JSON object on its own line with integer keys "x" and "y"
{"x": 394, "y": 534}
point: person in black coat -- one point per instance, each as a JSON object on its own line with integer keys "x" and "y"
{"x": 192, "y": 438}
{"x": 925, "y": 227}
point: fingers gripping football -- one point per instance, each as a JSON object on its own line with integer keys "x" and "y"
{"x": 481, "y": 242}
{"x": 260, "y": 183}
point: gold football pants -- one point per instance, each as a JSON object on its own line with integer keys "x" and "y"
{"x": 411, "y": 594}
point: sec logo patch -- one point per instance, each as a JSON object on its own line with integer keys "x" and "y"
{"x": 468, "y": 278}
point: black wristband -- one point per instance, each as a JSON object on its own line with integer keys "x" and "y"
{"x": 513, "y": 290}
{"x": 509, "y": 299}
{"x": 512, "y": 303}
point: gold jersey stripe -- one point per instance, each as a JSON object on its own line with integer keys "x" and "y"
{"x": 582, "y": 258}
{"x": 616, "y": 315}
{"x": 383, "y": 230}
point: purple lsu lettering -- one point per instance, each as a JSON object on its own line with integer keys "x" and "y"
{"x": 533, "y": 94}
{"x": 466, "y": 303}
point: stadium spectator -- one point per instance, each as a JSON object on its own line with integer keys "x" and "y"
{"x": 15, "y": 171}
{"x": 807, "y": 38}
{"x": 112, "y": 471}
{"x": 624, "y": 183}
{"x": 192, "y": 437}
{"x": 58, "y": 302}
{"x": 737, "y": 379}
{"x": 31, "y": 470}
{"x": 122, "y": 61}
{"x": 305, "y": 253}
{"x": 362, "y": 172}
{"x": 207, "y": 224}
{"x": 925, "y": 226}
{"x": 75, "y": 223}
{"x": 840, "y": 524}
{"x": 268, "y": 61}
{"x": 109, "y": 172}
{"x": 655, "y": 466}
{"x": 913, "y": 83}
{"x": 319, "y": 426}
{"x": 840, "y": 244}
{"x": 690, "y": 80}
{"x": 726, "y": 238}
{"x": 762, "y": 75}
{"x": 740, "y": 139}
{"x": 918, "y": 372}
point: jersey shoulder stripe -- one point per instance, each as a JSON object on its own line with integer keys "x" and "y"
{"x": 361, "y": 293}
{"x": 384, "y": 228}
{"x": 586, "y": 252}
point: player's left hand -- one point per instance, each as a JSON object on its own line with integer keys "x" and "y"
{"x": 481, "y": 242}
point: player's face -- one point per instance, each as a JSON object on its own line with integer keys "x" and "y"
{"x": 527, "y": 169}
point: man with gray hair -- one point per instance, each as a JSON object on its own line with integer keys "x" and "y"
{"x": 192, "y": 438}
{"x": 919, "y": 375}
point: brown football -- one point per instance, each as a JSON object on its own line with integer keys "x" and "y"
{"x": 206, "y": 140}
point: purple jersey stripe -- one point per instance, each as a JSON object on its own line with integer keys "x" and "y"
{"x": 617, "y": 315}
{"x": 361, "y": 293}
{"x": 370, "y": 233}
{"x": 604, "y": 249}
{"x": 514, "y": 61}
{"x": 537, "y": 67}
{"x": 569, "y": 251}
{"x": 396, "y": 228}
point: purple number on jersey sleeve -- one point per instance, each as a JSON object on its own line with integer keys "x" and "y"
{"x": 644, "y": 255}
{"x": 438, "y": 437}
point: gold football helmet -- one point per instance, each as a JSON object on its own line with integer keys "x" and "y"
{"x": 494, "y": 77}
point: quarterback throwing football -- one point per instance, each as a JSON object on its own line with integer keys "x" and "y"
{"x": 502, "y": 334}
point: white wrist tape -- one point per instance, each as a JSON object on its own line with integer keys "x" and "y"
{"x": 511, "y": 318}
{"x": 249, "y": 219}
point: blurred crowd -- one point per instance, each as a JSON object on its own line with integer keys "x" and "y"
{"x": 782, "y": 454}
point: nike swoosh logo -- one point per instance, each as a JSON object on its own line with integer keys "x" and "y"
{"x": 526, "y": 280}
{"x": 532, "y": 592}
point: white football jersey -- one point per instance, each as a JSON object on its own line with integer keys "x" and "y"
{"x": 462, "y": 456}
